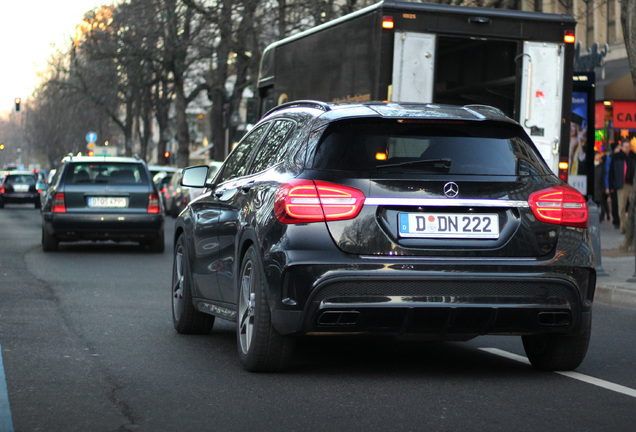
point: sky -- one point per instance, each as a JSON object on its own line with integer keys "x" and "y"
{"x": 29, "y": 32}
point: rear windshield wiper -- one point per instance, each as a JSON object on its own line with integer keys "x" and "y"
{"x": 437, "y": 164}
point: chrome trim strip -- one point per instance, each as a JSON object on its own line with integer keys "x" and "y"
{"x": 394, "y": 258}
{"x": 445, "y": 202}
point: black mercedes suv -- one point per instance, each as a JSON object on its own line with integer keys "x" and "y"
{"x": 435, "y": 220}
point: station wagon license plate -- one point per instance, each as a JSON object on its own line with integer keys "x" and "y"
{"x": 449, "y": 225}
{"x": 21, "y": 188}
{"x": 108, "y": 202}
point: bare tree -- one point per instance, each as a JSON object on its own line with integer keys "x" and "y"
{"x": 628, "y": 23}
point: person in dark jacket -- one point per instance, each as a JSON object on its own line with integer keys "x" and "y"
{"x": 612, "y": 194}
{"x": 621, "y": 176}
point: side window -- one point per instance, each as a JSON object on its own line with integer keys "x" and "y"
{"x": 273, "y": 149}
{"x": 236, "y": 163}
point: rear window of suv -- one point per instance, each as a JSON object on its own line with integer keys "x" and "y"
{"x": 448, "y": 147}
{"x": 106, "y": 173}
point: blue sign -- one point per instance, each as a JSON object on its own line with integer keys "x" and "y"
{"x": 91, "y": 137}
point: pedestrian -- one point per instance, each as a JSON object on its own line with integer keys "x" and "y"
{"x": 613, "y": 202}
{"x": 600, "y": 198}
{"x": 621, "y": 176}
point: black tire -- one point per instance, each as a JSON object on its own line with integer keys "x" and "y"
{"x": 186, "y": 319}
{"x": 261, "y": 348}
{"x": 558, "y": 352}
{"x": 158, "y": 245}
{"x": 49, "y": 241}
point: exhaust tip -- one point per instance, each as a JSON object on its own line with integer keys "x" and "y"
{"x": 338, "y": 318}
{"x": 554, "y": 319}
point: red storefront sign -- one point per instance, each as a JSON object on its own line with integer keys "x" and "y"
{"x": 624, "y": 114}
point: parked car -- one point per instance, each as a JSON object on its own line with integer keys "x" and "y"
{"x": 19, "y": 187}
{"x": 177, "y": 196}
{"x": 434, "y": 220}
{"x": 162, "y": 179}
{"x": 102, "y": 198}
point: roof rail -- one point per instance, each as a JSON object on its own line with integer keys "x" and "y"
{"x": 487, "y": 108}
{"x": 301, "y": 103}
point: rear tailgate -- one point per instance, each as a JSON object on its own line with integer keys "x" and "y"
{"x": 416, "y": 218}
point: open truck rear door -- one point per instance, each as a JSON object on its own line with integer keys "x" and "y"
{"x": 542, "y": 97}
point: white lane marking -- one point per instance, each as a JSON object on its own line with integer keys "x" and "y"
{"x": 574, "y": 375}
{"x": 6, "y": 424}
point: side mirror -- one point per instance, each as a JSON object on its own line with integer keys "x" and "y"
{"x": 194, "y": 176}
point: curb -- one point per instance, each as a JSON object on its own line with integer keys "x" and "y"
{"x": 615, "y": 296}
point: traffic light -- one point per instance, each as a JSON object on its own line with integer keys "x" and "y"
{"x": 18, "y": 105}
{"x": 166, "y": 158}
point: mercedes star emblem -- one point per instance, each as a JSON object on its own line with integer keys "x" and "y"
{"x": 451, "y": 189}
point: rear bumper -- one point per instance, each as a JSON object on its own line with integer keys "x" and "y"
{"x": 20, "y": 198}
{"x": 442, "y": 300}
{"x": 120, "y": 227}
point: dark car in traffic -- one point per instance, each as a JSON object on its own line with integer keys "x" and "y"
{"x": 19, "y": 187}
{"x": 102, "y": 198}
{"x": 382, "y": 218}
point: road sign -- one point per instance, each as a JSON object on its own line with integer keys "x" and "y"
{"x": 91, "y": 137}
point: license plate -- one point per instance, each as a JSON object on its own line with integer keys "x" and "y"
{"x": 21, "y": 188}
{"x": 108, "y": 202}
{"x": 449, "y": 225}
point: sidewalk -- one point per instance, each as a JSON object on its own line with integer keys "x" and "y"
{"x": 613, "y": 288}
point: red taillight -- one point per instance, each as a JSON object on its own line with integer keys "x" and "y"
{"x": 59, "y": 206}
{"x": 561, "y": 205}
{"x": 153, "y": 203}
{"x": 302, "y": 201}
{"x": 568, "y": 37}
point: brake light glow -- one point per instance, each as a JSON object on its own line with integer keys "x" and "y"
{"x": 59, "y": 206}
{"x": 387, "y": 22}
{"x": 561, "y": 205}
{"x": 303, "y": 201}
{"x": 568, "y": 37}
{"x": 153, "y": 203}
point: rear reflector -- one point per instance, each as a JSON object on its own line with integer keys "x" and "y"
{"x": 561, "y": 205}
{"x": 59, "y": 206}
{"x": 153, "y": 203}
{"x": 303, "y": 201}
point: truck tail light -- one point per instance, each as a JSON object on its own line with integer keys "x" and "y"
{"x": 387, "y": 22}
{"x": 561, "y": 205}
{"x": 153, "y": 203}
{"x": 303, "y": 201}
{"x": 59, "y": 206}
{"x": 568, "y": 37}
{"x": 564, "y": 168}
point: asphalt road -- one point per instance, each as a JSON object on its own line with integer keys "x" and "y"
{"x": 87, "y": 344}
